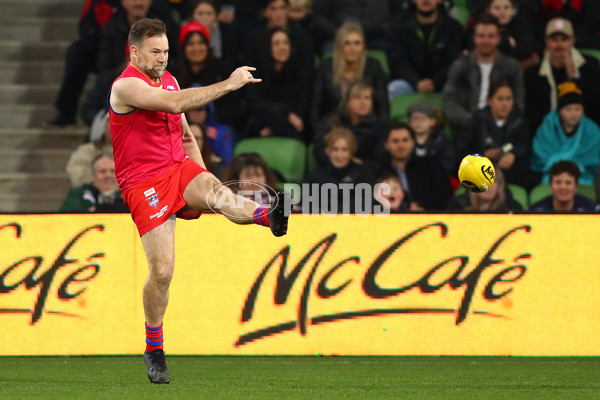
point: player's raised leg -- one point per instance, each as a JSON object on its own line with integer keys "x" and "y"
{"x": 206, "y": 193}
{"x": 160, "y": 252}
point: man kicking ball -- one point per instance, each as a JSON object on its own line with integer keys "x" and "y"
{"x": 161, "y": 172}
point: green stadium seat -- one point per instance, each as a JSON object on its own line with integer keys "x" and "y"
{"x": 538, "y": 193}
{"x": 286, "y": 156}
{"x": 519, "y": 193}
{"x": 311, "y": 161}
{"x": 591, "y": 52}
{"x": 399, "y": 104}
{"x": 588, "y": 191}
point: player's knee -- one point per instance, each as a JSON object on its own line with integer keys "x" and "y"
{"x": 161, "y": 273}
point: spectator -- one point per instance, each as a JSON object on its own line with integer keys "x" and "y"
{"x": 517, "y": 36}
{"x": 561, "y": 63}
{"x": 356, "y": 114}
{"x": 340, "y": 147}
{"x": 113, "y": 51}
{"x": 279, "y": 105}
{"x": 102, "y": 195}
{"x": 349, "y": 63}
{"x": 469, "y": 78}
{"x": 500, "y": 132}
{"x": 275, "y": 13}
{"x": 213, "y": 162}
{"x": 567, "y": 134}
{"x": 583, "y": 15}
{"x": 374, "y": 16}
{"x": 397, "y": 201}
{"x": 423, "y": 43}
{"x": 221, "y": 137}
{"x": 316, "y": 25}
{"x": 564, "y": 179}
{"x": 425, "y": 121}
{"x": 196, "y": 66}
{"x": 496, "y": 199}
{"x": 223, "y": 43}
{"x": 249, "y": 176}
{"x": 420, "y": 176}
{"x": 80, "y": 59}
{"x": 78, "y": 166}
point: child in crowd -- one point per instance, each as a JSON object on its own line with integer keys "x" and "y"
{"x": 250, "y": 176}
{"x": 567, "y": 134}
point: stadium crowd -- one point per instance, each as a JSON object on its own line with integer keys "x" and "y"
{"x": 385, "y": 91}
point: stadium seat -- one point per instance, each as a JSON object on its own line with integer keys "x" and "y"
{"x": 286, "y": 156}
{"x": 519, "y": 193}
{"x": 399, "y": 104}
{"x": 588, "y": 191}
{"x": 311, "y": 162}
{"x": 591, "y": 52}
{"x": 538, "y": 193}
{"x": 462, "y": 12}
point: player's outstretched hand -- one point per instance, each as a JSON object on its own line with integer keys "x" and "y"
{"x": 241, "y": 77}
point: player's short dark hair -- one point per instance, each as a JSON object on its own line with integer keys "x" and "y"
{"x": 565, "y": 166}
{"x": 146, "y": 28}
{"x": 486, "y": 19}
{"x": 399, "y": 125}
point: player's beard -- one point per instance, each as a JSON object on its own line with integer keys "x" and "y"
{"x": 156, "y": 72}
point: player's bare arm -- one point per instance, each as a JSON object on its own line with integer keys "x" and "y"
{"x": 129, "y": 94}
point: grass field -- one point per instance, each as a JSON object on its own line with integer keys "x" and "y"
{"x": 302, "y": 378}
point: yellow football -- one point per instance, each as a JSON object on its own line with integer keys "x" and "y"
{"x": 476, "y": 173}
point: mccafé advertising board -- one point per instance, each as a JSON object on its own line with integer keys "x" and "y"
{"x": 394, "y": 285}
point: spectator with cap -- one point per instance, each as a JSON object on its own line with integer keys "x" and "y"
{"x": 469, "y": 78}
{"x": 567, "y": 134}
{"x": 561, "y": 63}
{"x": 426, "y": 121}
{"x": 564, "y": 179}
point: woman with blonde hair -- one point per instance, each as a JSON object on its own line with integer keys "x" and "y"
{"x": 348, "y": 64}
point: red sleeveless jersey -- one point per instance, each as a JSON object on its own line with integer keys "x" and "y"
{"x": 145, "y": 143}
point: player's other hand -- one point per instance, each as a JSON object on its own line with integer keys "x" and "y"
{"x": 241, "y": 77}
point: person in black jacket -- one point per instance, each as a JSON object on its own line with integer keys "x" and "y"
{"x": 422, "y": 178}
{"x": 501, "y": 133}
{"x": 349, "y": 64}
{"x": 356, "y": 114}
{"x": 80, "y": 59}
{"x": 517, "y": 37}
{"x": 113, "y": 52}
{"x": 279, "y": 105}
{"x": 423, "y": 43}
{"x": 340, "y": 147}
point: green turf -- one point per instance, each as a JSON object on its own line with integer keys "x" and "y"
{"x": 302, "y": 378}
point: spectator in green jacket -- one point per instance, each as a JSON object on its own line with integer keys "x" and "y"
{"x": 102, "y": 195}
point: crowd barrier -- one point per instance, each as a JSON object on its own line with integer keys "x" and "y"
{"x": 348, "y": 285}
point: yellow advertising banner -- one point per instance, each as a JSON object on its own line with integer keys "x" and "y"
{"x": 395, "y": 285}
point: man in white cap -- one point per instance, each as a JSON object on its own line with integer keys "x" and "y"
{"x": 561, "y": 63}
